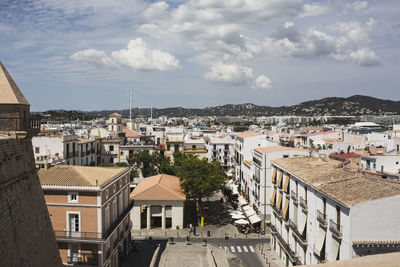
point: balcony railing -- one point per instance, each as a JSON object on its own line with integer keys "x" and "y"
{"x": 289, "y": 251}
{"x": 71, "y": 154}
{"x": 335, "y": 228}
{"x": 93, "y": 236}
{"x": 303, "y": 204}
{"x": 22, "y": 127}
{"x": 322, "y": 257}
{"x": 302, "y": 237}
{"x": 84, "y": 259}
{"x": 294, "y": 196}
{"x": 321, "y": 217}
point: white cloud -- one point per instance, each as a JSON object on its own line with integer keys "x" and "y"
{"x": 229, "y": 73}
{"x": 357, "y": 5}
{"x": 136, "y": 56}
{"x": 262, "y": 82}
{"x": 311, "y": 10}
{"x": 156, "y": 10}
{"x": 345, "y": 41}
{"x": 288, "y": 24}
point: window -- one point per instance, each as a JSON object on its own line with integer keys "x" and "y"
{"x": 114, "y": 210}
{"x": 120, "y": 203}
{"x": 37, "y": 149}
{"x": 107, "y": 194}
{"x": 120, "y": 183}
{"x": 107, "y": 217}
{"x": 126, "y": 197}
{"x": 114, "y": 188}
{"x": 73, "y": 197}
{"x": 111, "y": 148}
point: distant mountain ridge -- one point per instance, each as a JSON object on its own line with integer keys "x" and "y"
{"x": 355, "y": 105}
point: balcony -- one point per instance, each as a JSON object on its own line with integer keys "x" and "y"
{"x": 294, "y": 258}
{"x": 83, "y": 259}
{"x": 71, "y": 154}
{"x": 303, "y": 204}
{"x": 336, "y": 229}
{"x": 93, "y": 151}
{"x": 302, "y": 238}
{"x": 92, "y": 237}
{"x": 322, "y": 257}
{"x": 321, "y": 217}
{"x": 294, "y": 196}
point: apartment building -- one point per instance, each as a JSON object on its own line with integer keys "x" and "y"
{"x": 89, "y": 210}
{"x": 114, "y": 124}
{"x": 89, "y": 151}
{"x": 220, "y": 149}
{"x": 53, "y": 148}
{"x": 260, "y": 181}
{"x": 195, "y": 147}
{"x": 323, "y": 213}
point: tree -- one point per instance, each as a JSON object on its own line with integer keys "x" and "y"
{"x": 150, "y": 164}
{"x": 199, "y": 178}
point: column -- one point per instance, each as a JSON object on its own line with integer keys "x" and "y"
{"x": 148, "y": 217}
{"x": 163, "y": 220}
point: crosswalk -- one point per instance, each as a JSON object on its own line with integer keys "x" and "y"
{"x": 239, "y": 249}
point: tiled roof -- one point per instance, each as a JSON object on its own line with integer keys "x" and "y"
{"x": 248, "y": 134}
{"x": 115, "y": 114}
{"x": 159, "y": 187}
{"x": 67, "y": 175}
{"x": 130, "y": 133}
{"x": 344, "y": 155}
{"x": 346, "y": 186}
{"x": 270, "y": 149}
{"x": 9, "y": 91}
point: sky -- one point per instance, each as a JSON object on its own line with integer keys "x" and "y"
{"x": 88, "y": 55}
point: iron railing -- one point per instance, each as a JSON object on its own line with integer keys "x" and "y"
{"x": 288, "y": 249}
{"x": 301, "y": 236}
{"x": 294, "y": 196}
{"x": 303, "y": 203}
{"x": 335, "y": 228}
{"x": 321, "y": 217}
{"x": 93, "y": 235}
{"x": 84, "y": 259}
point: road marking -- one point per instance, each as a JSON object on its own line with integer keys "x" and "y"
{"x": 251, "y": 248}
{"x": 245, "y": 249}
{"x": 226, "y": 249}
{"x": 239, "y": 249}
{"x": 232, "y": 249}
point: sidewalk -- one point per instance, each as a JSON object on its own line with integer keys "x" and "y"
{"x": 267, "y": 256}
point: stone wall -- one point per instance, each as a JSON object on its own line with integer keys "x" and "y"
{"x": 26, "y": 234}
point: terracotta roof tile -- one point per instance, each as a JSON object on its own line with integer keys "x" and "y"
{"x": 159, "y": 187}
{"x": 270, "y": 149}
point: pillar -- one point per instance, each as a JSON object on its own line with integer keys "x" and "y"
{"x": 163, "y": 220}
{"x": 148, "y": 217}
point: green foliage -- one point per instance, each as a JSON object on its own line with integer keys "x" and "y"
{"x": 199, "y": 178}
{"x": 150, "y": 164}
{"x": 121, "y": 164}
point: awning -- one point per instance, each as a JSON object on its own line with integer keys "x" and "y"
{"x": 247, "y": 207}
{"x": 273, "y": 197}
{"x": 302, "y": 223}
{"x": 280, "y": 179}
{"x": 320, "y": 241}
{"x": 279, "y": 204}
{"x": 274, "y": 176}
{"x": 286, "y": 187}
{"x": 254, "y": 219}
{"x": 242, "y": 201}
{"x": 250, "y": 212}
{"x": 238, "y": 216}
{"x": 241, "y": 221}
{"x": 233, "y": 212}
{"x": 285, "y": 209}
{"x": 235, "y": 190}
{"x": 334, "y": 250}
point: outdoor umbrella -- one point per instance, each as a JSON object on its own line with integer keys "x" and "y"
{"x": 238, "y": 216}
{"x": 241, "y": 221}
{"x": 247, "y": 207}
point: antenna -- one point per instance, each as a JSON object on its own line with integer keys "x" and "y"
{"x": 130, "y": 105}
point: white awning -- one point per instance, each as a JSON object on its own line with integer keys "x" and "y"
{"x": 242, "y": 201}
{"x": 241, "y": 221}
{"x": 247, "y": 207}
{"x": 334, "y": 249}
{"x": 235, "y": 190}
{"x": 238, "y": 216}
{"x": 233, "y": 212}
{"x": 254, "y": 219}
{"x": 320, "y": 241}
{"x": 302, "y": 223}
{"x": 250, "y": 212}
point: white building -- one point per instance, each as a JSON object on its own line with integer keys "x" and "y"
{"x": 220, "y": 149}
{"x": 261, "y": 187}
{"x": 325, "y": 213}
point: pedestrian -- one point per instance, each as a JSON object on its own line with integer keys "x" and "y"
{"x": 190, "y": 228}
